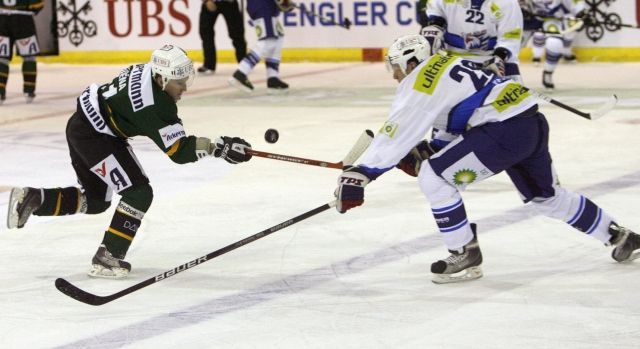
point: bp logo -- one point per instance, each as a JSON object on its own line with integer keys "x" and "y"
{"x": 464, "y": 176}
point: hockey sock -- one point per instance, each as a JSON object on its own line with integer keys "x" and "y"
{"x": 453, "y": 224}
{"x": 61, "y": 202}
{"x": 538, "y": 45}
{"x": 29, "y": 74}
{"x": 4, "y": 76}
{"x": 126, "y": 219}
{"x": 248, "y": 62}
{"x": 273, "y": 66}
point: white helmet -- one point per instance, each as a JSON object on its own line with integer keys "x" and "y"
{"x": 171, "y": 62}
{"x": 405, "y": 48}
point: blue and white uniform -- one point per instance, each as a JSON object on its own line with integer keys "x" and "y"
{"x": 475, "y": 28}
{"x": 497, "y": 127}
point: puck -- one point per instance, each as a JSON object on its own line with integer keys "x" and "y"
{"x": 271, "y": 135}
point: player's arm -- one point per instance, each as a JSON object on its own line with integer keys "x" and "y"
{"x": 509, "y": 21}
{"x": 36, "y": 6}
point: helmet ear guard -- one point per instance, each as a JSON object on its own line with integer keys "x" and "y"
{"x": 406, "y": 49}
{"x": 171, "y": 63}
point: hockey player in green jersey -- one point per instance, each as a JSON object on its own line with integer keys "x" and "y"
{"x": 18, "y": 28}
{"x": 141, "y": 101}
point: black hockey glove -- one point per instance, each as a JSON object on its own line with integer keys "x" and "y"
{"x": 232, "y": 149}
{"x": 411, "y": 163}
{"x": 350, "y": 190}
{"x": 586, "y": 18}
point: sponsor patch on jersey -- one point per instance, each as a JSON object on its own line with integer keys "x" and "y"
{"x": 511, "y": 95}
{"x": 111, "y": 172}
{"x": 495, "y": 10}
{"x": 513, "y": 34}
{"x": 140, "y": 88}
{"x": 170, "y": 134}
{"x": 465, "y": 171}
{"x": 429, "y": 75}
{"x": 389, "y": 128}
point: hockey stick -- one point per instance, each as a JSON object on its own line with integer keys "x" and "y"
{"x": 346, "y": 23}
{"x": 78, "y": 294}
{"x": 358, "y": 148}
{"x": 604, "y": 108}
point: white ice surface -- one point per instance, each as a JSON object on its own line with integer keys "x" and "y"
{"x": 359, "y": 280}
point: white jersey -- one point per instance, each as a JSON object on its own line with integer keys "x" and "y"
{"x": 554, "y": 8}
{"x": 477, "y": 27}
{"x": 446, "y": 92}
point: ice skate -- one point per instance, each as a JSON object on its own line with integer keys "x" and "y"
{"x": 276, "y": 86}
{"x": 22, "y": 203}
{"x": 29, "y": 97}
{"x": 105, "y": 265}
{"x": 627, "y": 243}
{"x": 206, "y": 71}
{"x": 547, "y": 80}
{"x": 536, "y": 61}
{"x": 2, "y": 98}
{"x": 461, "y": 265}
{"x": 570, "y": 58}
{"x": 241, "y": 82}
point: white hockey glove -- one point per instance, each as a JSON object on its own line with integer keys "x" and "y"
{"x": 435, "y": 36}
{"x": 411, "y": 163}
{"x": 350, "y": 190}
{"x": 286, "y": 5}
{"x": 231, "y": 149}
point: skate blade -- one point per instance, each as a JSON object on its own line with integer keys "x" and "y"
{"x": 98, "y": 271}
{"x": 240, "y": 86}
{"x": 464, "y": 275}
{"x": 277, "y": 91}
{"x": 15, "y": 198}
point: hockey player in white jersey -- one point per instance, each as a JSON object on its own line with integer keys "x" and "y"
{"x": 498, "y": 128}
{"x": 553, "y": 25}
{"x": 484, "y": 31}
{"x": 478, "y": 30}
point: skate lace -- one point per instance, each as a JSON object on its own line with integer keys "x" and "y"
{"x": 456, "y": 259}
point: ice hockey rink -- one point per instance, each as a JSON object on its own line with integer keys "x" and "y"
{"x": 359, "y": 280}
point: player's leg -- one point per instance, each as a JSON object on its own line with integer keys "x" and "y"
{"x": 27, "y": 47}
{"x": 536, "y": 180}
{"x": 272, "y": 61}
{"x": 207, "y": 35}
{"x": 6, "y": 46}
{"x": 553, "y": 53}
{"x": 537, "y": 49}
{"x": 567, "y": 42}
{"x": 235, "y": 28}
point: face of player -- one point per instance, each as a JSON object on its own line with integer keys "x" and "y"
{"x": 175, "y": 88}
{"x": 399, "y": 75}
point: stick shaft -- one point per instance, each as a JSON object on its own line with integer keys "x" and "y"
{"x": 297, "y": 160}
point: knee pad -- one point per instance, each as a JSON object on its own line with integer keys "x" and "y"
{"x": 28, "y": 46}
{"x": 554, "y": 44}
{"x": 138, "y": 197}
{"x": 434, "y": 187}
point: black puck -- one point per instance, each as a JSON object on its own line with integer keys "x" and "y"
{"x": 271, "y": 135}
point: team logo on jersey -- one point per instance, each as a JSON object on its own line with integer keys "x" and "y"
{"x": 111, "y": 172}
{"x": 389, "y": 128}
{"x": 430, "y": 74}
{"x": 170, "y": 134}
{"x": 464, "y": 176}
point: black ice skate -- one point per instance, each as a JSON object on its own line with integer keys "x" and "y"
{"x": 2, "y": 98}
{"x": 571, "y": 58}
{"x": 275, "y": 85}
{"x": 461, "y": 265}
{"x": 105, "y": 265}
{"x": 22, "y": 203}
{"x": 536, "y": 61}
{"x": 627, "y": 243}
{"x": 241, "y": 82}
{"x": 29, "y": 97}
{"x": 547, "y": 80}
{"x": 206, "y": 71}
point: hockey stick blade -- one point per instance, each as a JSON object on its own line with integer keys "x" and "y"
{"x": 358, "y": 149}
{"x": 78, "y": 294}
{"x": 605, "y": 108}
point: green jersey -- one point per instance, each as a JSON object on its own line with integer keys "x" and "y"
{"x": 134, "y": 105}
{"x": 22, "y": 5}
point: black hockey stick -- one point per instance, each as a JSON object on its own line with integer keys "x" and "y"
{"x": 346, "y": 24}
{"x": 604, "y": 108}
{"x": 76, "y": 293}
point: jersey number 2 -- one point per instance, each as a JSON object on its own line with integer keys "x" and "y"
{"x": 475, "y": 16}
{"x": 478, "y": 77}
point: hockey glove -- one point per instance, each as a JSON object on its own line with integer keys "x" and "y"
{"x": 586, "y": 18}
{"x": 434, "y": 35}
{"x": 411, "y": 163}
{"x": 232, "y": 149}
{"x": 350, "y": 191}
{"x": 286, "y": 5}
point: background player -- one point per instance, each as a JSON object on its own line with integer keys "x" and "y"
{"x": 17, "y": 28}
{"x": 264, "y": 16}
{"x": 499, "y": 129}
{"x": 141, "y": 101}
